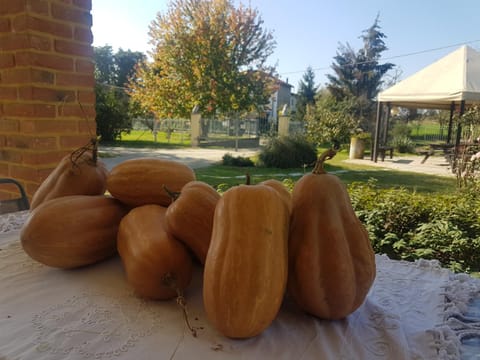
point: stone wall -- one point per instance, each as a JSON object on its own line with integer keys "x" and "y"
{"x": 47, "y": 98}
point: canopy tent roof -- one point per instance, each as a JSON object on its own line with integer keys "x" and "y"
{"x": 453, "y": 78}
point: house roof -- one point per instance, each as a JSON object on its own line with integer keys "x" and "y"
{"x": 453, "y": 78}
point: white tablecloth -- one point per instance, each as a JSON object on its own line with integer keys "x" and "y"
{"x": 414, "y": 311}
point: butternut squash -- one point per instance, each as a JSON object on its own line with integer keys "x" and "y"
{"x": 190, "y": 217}
{"x": 331, "y": 260}
{"x": 141, "y": 181}
{"x": 245, "y": 270}
{"x": 73, "y": 231}
{"x": 78, "y": 173}
{"x": 157, "y": 265}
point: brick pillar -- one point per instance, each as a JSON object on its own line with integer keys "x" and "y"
{"x": 47, "y": 98}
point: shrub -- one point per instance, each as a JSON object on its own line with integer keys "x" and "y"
{"x": 403, "y": 144}
{"x": 409, "y": 226}
{"x": 240, "y": 161}
{"x": 288, "y": 152}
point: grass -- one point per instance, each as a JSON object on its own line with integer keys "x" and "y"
{"x": 145, "y": 139}
{"x": 226, "y": 176}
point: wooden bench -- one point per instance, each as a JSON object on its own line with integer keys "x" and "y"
{"x": 383, "y": 150}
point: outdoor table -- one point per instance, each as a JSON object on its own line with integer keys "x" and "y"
{"x": 446, "y": 149}
{"x": 415, "y": 310}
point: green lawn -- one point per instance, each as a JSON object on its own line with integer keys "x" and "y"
{"x": 144, "y": 138}
{"x": 227, "y": 176}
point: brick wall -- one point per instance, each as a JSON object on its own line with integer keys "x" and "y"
{"x": 47, "y": 98}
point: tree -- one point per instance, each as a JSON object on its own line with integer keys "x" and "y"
{"x": 358, "y": 75}
{"x": 306, "y": 93}
{"x": 329, "y": 121}
{"x": 206, "y": 53}
{"x": 113, "y": 105}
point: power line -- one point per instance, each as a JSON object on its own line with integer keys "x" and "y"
{"x": 390, "y": 57}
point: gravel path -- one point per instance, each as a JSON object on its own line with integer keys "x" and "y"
{"x": 201, "y": 157}
{"x": 193, "y": 157}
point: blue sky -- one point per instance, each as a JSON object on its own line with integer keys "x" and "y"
{"x": 308, "y": 32}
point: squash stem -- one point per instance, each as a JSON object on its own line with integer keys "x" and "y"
{"x": 327, "y": 154}
{"x": 173, "y": 194}
{"x": 169, "y": 280}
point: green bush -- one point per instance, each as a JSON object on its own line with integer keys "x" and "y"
{"x": 240, "y": 161}
{"x": 409, "y": 226}
{"x": 403, "y": 144}
{"x": 288, "y": 152}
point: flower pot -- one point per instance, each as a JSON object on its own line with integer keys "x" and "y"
{"x": 357, "y": 148}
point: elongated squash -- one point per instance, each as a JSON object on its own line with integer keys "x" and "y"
{"x": 245, "y": 271}
{"x": 73, "y": 231}
{"x": 142, "y": 181}
{"x": 331, "y": 260}
{"x": 79, "y": 173}
{"x": 282, "y": 190}
{"x": 157, "y": 265}
{"x": 190, "y": 217}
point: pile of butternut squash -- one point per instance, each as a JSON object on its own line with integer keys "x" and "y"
{"x": 256, "y": 243}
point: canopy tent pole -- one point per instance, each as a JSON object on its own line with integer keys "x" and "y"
{"x": 387, "y": 124}
{"x": 374, "y": 154}
{"x": 459, "y": 126}
{"x": 450, "y": 122}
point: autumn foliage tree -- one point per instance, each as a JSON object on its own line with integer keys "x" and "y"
{"x": 207, "y": 53}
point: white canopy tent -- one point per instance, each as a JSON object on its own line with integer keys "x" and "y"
{"x": 449, "y": 83}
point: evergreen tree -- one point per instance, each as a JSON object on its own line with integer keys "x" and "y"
{"x": 306, "y": 94}
{"x": 358, "y": 75}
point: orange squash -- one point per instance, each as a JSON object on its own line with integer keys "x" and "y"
{"x": 282, "y": 190}
{"x": 142, "y": 181}
{"x": 79, "y": 173}
{"x": 73, "y": 231}
{"x": 245, "y": 270}
{"x": 157, "y": 265}
{"x": 331, "y": 260}
{"x": 190, "y": 217}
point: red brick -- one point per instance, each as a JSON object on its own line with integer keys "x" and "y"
{"x": 46, "y": 94}
{"x": 69, "y": 13}
{"x": 46, "y": 60}
{"x": 84, "y": 4}
{"x": 8, "y": 7}
{"x": 26, "y": 173}
{"x": 7, "y": 60}
{"x": 75, "y": 141}
{"x": 11, "y": 155}
{"x": 73, "y": 48}
{"x": 9, "y": 125}
{"x": 5, "y": 25}
{"x": 83, "y": 111}
{"x": 75, "y": 80}
{"x": 8, "y": 93}
{"x": 48, "y": 126}
{"x": 25, "y": 76}
{"x": 29, "y": 110}
{"x": 86, "y": 97}
{"x": 4, "y": 170}
{"x": 44, "y": 158}
{"x": 83, "y": 34}
{"x": 14, "y": 42}
{"x": 26, "y": 23}
{"x": 39, "y": 7}
{"x": 35, "y": 142}
{"x": 84, "y": 66}
{"x": 88, "y": 126}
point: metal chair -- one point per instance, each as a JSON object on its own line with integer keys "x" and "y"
{"x": 15, "y": 204}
